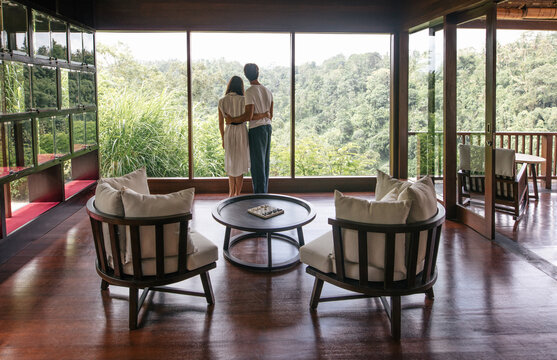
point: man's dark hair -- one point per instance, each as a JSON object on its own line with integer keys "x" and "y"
{"x": 251, "y": 71}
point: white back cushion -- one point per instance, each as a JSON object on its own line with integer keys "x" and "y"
{"x": 374, "y": 212}
{"x": 464, "y": 157}
{"x": 136, "y": 180}
{"x": 144, "y": 206}
{"x": 386, "y": 184}
{"x": 504, "y": 162}
{"x": 423, "y": 198}
{"x": 109, "y": 201}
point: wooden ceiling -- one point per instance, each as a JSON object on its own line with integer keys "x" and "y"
{"x": 287, "y": 15}
{"x": 532, "y": 15}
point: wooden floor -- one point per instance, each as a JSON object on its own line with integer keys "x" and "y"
{"x": 491, "y": 303}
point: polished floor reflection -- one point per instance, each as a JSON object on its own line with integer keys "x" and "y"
{"x": 490, "y": 303}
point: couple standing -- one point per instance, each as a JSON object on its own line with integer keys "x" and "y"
{"x": 235, "y": 108}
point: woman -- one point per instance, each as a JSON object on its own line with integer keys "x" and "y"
{"x": 235, "y": 136}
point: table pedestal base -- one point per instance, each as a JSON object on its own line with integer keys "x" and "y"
{"x": 229, "y": 243}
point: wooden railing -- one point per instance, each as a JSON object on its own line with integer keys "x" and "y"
{"x": 542, "y": 144}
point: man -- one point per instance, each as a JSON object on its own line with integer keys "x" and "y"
{"x": 259, "y": 100}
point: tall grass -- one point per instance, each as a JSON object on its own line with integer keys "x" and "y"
{"x": 140, "y": 128}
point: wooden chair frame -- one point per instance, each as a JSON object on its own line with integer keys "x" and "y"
{"x": 413, "y": 284}
{"x": 115, "y": 276}
{"x": 515, "y": 204}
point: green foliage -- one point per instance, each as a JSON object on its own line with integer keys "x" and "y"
{"x": 342, "y": 109}
{"x": 526, "y": 95}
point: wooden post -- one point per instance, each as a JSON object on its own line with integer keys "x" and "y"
{"x": 449, "y": 119}
{"x": 547, "y": 154}
{"x": 399, "y": 105}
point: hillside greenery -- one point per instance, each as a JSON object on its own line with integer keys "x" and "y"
{"x": 342, "y": 108}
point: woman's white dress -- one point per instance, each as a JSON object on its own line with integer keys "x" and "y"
{"x": 236, "y": 151}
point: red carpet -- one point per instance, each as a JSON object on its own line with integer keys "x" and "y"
{"x": 27, "y": 213}
{"x": 4, "y": 171}
{"x": 75, "y": 186}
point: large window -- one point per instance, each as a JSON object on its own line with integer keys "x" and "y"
{"x": 342, "y": 87}
{"x": 142, "y": 102}
{"x": 342, "y": 104}
{"x": 216, "y": 57}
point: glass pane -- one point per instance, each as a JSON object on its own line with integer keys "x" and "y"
{"x": 67, "y": 171}
{"x": 4, "y": 161}
{"x": 41, "y": 37}
{"x": 59, "y": 39}
{"x": 471, "y": 80}
{"x": 45, "y": 135}
{"x": 76, "y": 43}
{"x": 86, "y": 88}
{"x": 91, "y": 128}
{"x": 78, "y": 132}
{"x": 425, "y": 106}
{"x": 342, "y": 104}
{"x": 72, "y": 89}
{"x": 212, "y": 67}
{"x": 527, "y": 87}
{"x": 44, "y": 87}
{"x": 62, "y": 134}
{"x": 16, "y": 87}
{"x": 19, "y": 192}
{"x": 143, "y": 103}
{"x": 65, "y": 86}
{"x": 88, "y": 48}
{"x": 14, "y": 32}
{"x": 17, "y": 148}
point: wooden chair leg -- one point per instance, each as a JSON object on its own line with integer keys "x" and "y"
{"x": 104, "y": 285}
{"x": 133, "y": 308}
{"x": 316, "y": 293}
{"x": 206, "y": 281}
{"x": 429, "y": 293}
{"x": 395, "y": 317}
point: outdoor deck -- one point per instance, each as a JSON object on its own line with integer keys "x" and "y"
{"x": 494, "y": 300}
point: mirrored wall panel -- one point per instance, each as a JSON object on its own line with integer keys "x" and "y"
{"x": 88, "y": 48}
{"x": 14, "y": 27}
{"x": 78, "y": 132}
{"x": 59, "y": 40}
{"x": 41, "y": 35}
{"x": 76, "y": 43}
{"x": 17, "y": 146}
{"x": 91, "y": 128}
{"x": 44, "y": 87}
{"x": 61, "y": 135}
{"x": 86, "y": 88}
{"x": 72, "y": 88}
{"x": 45, "y": 136}
{"x": 16, "y": 87}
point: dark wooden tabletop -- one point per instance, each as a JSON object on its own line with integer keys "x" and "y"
{"x": 233, "y": 212}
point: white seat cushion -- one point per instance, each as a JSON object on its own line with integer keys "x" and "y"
{"x": 319, "y": 254}
{"x": 206, "y": 253}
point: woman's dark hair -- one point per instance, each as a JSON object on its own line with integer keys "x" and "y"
{"x": 235, "y": 85}
{"x": 251, "y": 71}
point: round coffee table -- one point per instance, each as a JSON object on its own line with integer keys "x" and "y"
{"x": 233, "y": 213}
